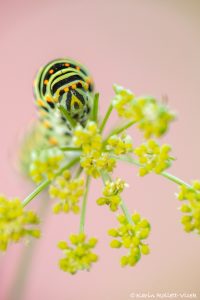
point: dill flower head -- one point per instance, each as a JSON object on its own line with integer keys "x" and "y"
{"x": 131, "y": 236}
{"x": 153, "y": 158}
{"x": 97, "y": 161}
{"x": 92, "y": 159}
{"x": 79, "y": 255}
{"x": 68, "y": 191}
{"x": 190, "y": 207}
{"x": 123, "y": 101}
{"x": 15, "y": 222}
{"x": 88, "y": 138}
{"x": 45, "y": 163}
{"x": 120, "y": 144}
{"x": 111, "y": 193}
{"x": 153, "y": 118}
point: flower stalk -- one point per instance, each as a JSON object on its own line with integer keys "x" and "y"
{"x": 105, "y": 119}
{"x": 47, "y": 182}
{"x": 84, "y": 204}
{"x": 165, "y": 174}
{"x": 95, "y": 109}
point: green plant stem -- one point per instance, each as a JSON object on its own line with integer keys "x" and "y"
{"x": 164, "y": 174}
{"x": 95, "y": 107}
{"x": 117, "y": 131}
{"x": 107, "y": 177}
{"x": 46, "y": 182}
{"x": 70, "y": 148}
{"x": 176, "y": 179}
{"x": 37, "y": 191}
{"x": 67, "y": 116}
{"x": 125, "y": 211}
{"x": 121, "y": 129}
{"x": 78, "y": 173}
{"x": 107, "y": 115}
{"x": 84, "y": 204}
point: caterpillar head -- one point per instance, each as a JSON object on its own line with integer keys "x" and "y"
{"x": 78, "y": 104}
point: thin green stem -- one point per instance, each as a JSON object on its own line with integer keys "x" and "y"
{"x": 176, "y": 179}
{"x": 118, "y": 130}
{"x": 79, "y": 171}
{"x": 95, "y": 107}
{"x": 37, "y": 191}
{"x": 121, "y": 129}
{"x": 67, "y": 116}
{"x": 67, "y": 166}
{"x": 70, "y": 148}
{"x": 127, "y": 158}
{"x": 84, "y": 204}
{"x": 125, "y": 211}
{"x": 105, "y": 177}
{"x": 107, "y": 115}
{"x": 46, "y": 182}
{"x": 167, "y": 175}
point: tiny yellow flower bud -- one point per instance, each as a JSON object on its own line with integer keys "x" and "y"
{"x": 115, "y": 244}
{"x": 136, "y": 218}
{"x": 145, "y": 249}
{"x": 113, "y": 232}
{"x": 124, "y": 261}
{"x": 62, "y": 245}
{"x": 73, "y": 239}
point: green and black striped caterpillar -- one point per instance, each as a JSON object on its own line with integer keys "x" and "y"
{"x": 68, "y": 83}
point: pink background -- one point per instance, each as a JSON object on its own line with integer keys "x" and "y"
{"x": 152, "y": 47}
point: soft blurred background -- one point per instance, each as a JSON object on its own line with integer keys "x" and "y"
{"x": 152, "y": 47}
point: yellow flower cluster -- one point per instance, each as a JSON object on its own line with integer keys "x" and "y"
{"x": 131, "y": 236}
{"x": 111, "y": 193}
{"x": 15, "y": 222}
{"x": 120, "y": 144}
{"x": 96, "y": 161}
{"x": 123, "y": 101}
{"x": 153, "y": 158}
{"x": 45, "y": 163}
{"x": 78, "y": 256}
{"x": 190, "y": 207}
{"x": 88, "y": 138}
{"x": 153, "y": 118}
{"x": 68, "y": 191}
{"x": 93, "y": 159}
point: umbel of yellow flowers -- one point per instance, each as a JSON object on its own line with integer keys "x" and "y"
{"x": 66, "y": 172}
{"x": 15, "y": 222}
